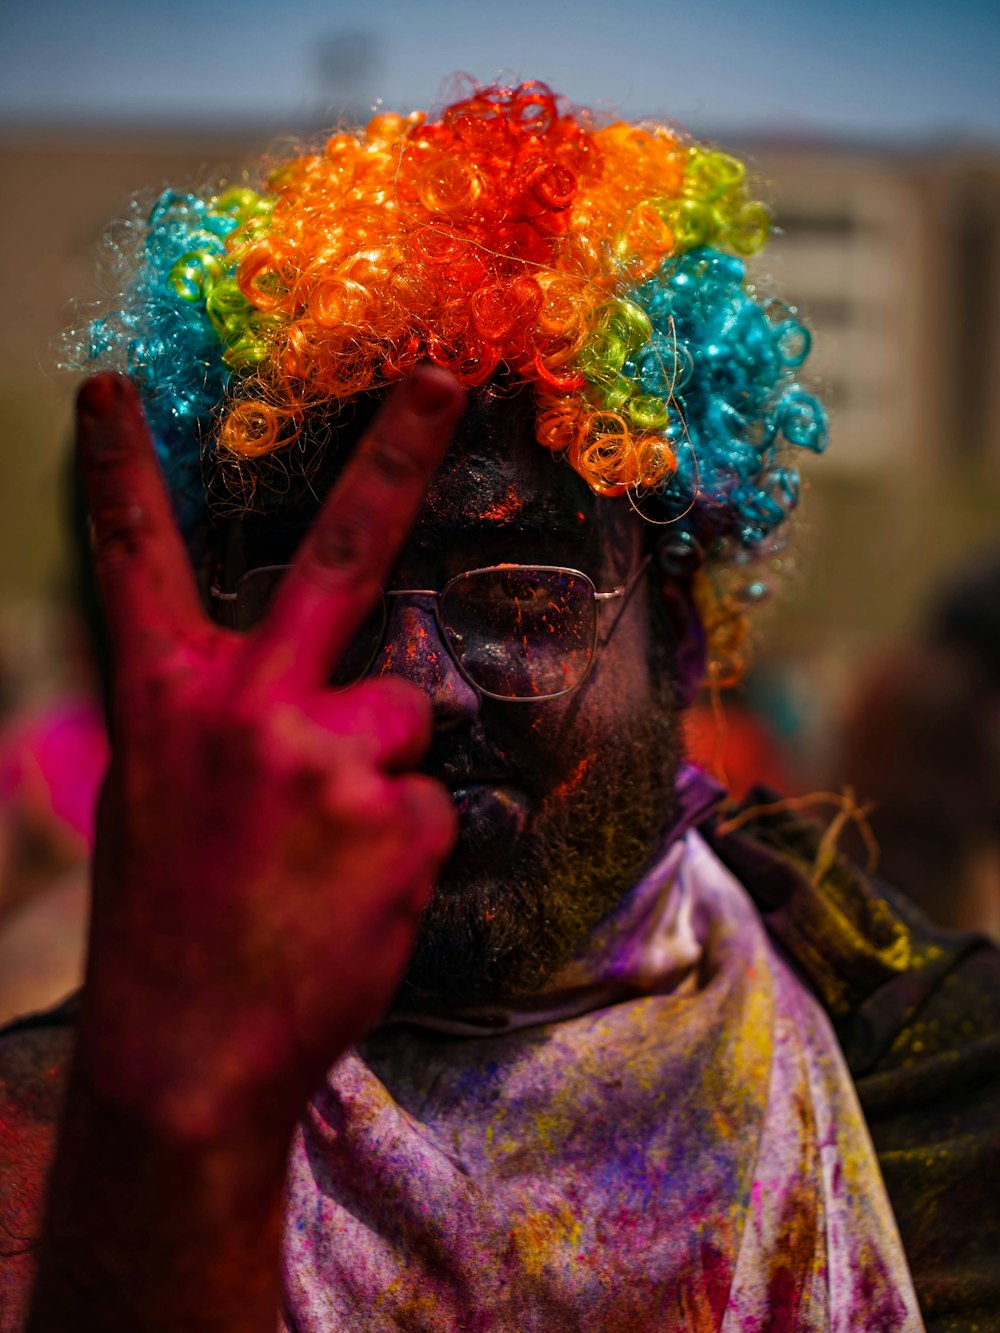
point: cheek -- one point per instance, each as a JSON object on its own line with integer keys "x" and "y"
{"x": 569, "y": 738}
{"x": 620, "y": 687}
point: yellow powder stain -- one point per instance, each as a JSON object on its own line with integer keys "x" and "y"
{"x": 721, "y": 1125}
{"x": 551, "y": 1131}
{"x": 699, "y": 1317}
{"x": 499, "y": 1141}
{"x": 407, "y": 1304}
{"x": 537, "y": 1234}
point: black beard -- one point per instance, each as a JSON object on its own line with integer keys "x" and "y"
{"x": 505, "y": 932}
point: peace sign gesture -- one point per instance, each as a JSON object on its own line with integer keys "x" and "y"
{"x": 264, "y": 849}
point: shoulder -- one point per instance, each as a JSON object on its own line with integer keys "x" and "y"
{"x": 917, "y": 1012}
{"x": 34, "y": 1059}
{"x": 872, "y": 958}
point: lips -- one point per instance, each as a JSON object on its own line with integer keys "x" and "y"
{"x": 493, "y": 798}
{"x": 493, "y": 815}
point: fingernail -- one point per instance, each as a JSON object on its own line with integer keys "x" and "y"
{"x": 100, "y": 395}
{"x": 432, "y": 391}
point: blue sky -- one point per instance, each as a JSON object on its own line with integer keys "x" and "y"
{"x": 883, "y": 69}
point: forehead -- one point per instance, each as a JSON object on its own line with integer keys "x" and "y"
{"x": 497, "y": 489}
{"x": 496, "y": 476}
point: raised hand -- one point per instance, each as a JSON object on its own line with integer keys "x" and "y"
{"x": 264, "y": 850}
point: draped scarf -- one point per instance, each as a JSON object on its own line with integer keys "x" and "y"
{"x": 667, "y": 1138}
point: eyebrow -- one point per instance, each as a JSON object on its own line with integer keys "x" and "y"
{"x": 534, "y": 518}
{"x": 274, "y": 539}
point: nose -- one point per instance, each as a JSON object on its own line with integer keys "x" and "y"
{"x": 413, "y": 648}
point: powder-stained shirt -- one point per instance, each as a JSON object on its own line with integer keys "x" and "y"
{"x": 779, "y": 1222}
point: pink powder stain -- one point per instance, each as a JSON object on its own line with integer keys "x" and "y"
{"x": 54, "y": 760}
{"x": 574, "y": 779}
{"x": 507, "y": 508}
{"x": 878, "y": 1297}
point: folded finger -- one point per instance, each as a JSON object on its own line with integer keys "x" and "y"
{"x": 390, "y": 720}
{"x": 435, "y": 818}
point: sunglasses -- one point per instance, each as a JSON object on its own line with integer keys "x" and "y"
{"x": 515, "y": 632}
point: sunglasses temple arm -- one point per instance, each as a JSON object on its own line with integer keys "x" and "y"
{"x": 625, "y": 594}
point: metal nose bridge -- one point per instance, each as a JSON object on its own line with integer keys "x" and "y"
{"x": 413, "y": 592}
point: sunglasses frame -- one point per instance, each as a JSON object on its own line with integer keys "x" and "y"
{"x": 622, "y": 590}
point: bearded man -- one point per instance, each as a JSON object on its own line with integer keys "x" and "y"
{"x": 427, "y": 987}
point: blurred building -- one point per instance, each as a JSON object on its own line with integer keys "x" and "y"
{"x": 893, "y": 255}
{"x": 60, "y": 190}
{"x": 895, "y": 258}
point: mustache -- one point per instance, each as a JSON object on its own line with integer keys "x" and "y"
{"x": 467, "y": 754}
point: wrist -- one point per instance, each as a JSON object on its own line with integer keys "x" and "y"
{"x": 193, "y": 1078}
{"x": 151, "y": 1228}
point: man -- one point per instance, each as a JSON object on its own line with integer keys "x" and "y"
{"x": 602, "y": 1093}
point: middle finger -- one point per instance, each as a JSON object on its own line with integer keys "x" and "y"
{"x": 360, "y": 530}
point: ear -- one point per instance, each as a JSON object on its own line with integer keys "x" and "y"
{"x": 688, "y": 634}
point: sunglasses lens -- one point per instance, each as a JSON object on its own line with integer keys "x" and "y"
{"x": 362, "y": 649}
{"x": 521, "y": 633}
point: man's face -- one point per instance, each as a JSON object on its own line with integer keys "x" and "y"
{"x": 560, "y": 802}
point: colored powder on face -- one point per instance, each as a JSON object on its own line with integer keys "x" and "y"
{"x": 574, "y": 779}
{"x": 505, "y": 510}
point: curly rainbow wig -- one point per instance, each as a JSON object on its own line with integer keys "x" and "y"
{"x": 603, "y": 265}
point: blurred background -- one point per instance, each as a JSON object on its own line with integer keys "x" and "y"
{"x": 872, "y": 126}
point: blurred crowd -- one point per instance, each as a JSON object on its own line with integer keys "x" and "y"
{"x": 53, "y": 751}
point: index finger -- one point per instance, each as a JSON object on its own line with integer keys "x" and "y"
{"x": 140, "y": 562}
{"x": 361, "y": 528}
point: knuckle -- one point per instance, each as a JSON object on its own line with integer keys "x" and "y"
{"x": 404, "y": 702}
{"x": 341, "y": 544}
{"x": 359, "y": 793}
{"x": 118, "y": 531}
{"x": 432, "y": 812}
{"x": 393, "y": 464}
{"x": 342, "y": 549}
{"x": 105, "y": 450}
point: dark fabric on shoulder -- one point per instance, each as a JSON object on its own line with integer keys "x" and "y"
{"x": 917, "y": 1012}
{"x": 34, "y": 1060}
